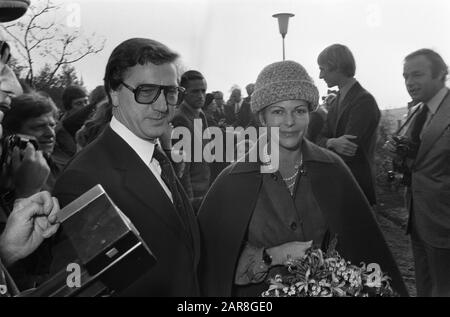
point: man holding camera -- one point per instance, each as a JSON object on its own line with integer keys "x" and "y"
{"x": 32, "y": 219}
{"x": 428, "y": 195}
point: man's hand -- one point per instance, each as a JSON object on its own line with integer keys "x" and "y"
{"x": 389, "y": 145}
{"x": 343, "y": 145}
{"x": 290, "y": 250}
{"x": 32, "y": 220}
{"x": 29, "y": 173}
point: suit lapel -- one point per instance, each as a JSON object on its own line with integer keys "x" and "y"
{"x": 346, "y": 103}
{"x": 140, "y": 182}
{"x": 438, "y": 124}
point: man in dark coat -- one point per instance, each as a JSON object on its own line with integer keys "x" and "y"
{"x": 245, "y": 116}
{"x": 224, "y": 221}
{"x": 127, "y": 160}
{"x": 350, "y": 129}
{"x": 196, "y": 176}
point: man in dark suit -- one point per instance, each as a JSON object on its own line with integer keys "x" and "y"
{"x": 350, "y": 129}
{"x": 128, "y": 161}
{"x": 233, "y": 106}
{"x": 428, "y": 196}
{"x": 196, "y": 176}
{"x": 245, "y": 116}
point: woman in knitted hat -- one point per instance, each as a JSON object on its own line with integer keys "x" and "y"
{"x": 252, "y": 222}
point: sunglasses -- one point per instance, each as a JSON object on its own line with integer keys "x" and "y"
{"x": 147, "y": 94}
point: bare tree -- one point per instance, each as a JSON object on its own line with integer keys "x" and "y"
{"x": 37, "y": 35}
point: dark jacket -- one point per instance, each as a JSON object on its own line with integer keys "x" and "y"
{"x": 357, "y": 115}
{"x": 111, "y": 162}
{"x": 244, "y": 116}
{"x": 227, "y": 209}
{"x": 196, "y": 177}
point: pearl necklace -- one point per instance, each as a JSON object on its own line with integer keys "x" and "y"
{"x": 293, "y": 178}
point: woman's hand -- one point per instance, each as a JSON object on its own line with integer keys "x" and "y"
{"x": 294, "y": 249}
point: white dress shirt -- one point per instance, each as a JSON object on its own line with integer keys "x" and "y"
{"x": 143, "y": 148}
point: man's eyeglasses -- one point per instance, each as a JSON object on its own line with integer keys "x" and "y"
{"x": 147, "y": 94}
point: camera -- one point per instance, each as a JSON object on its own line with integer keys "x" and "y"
{"x": 9, "y": 143}
{"x": 405, "y": 151}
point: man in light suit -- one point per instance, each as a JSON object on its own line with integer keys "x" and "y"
{"x": 141, "y": 80}
{"x": 351, "y": 124}
{"x": 428, "y": 197}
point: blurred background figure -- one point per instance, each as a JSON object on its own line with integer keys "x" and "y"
{"x": 318, "y": 117}
{"x": 210, "y": 110}
{"x": 220, "y": 110}
{"x": 74, "y": 98}
{"x": 95, "y": 125}
{"x": 244, "y": 115}
{"x": 196, "y": 176}
{"x": 233, "y": 106}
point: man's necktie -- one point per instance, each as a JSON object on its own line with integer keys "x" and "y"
{"x": 169, "y": 177}
{"x": 418, "y": 124}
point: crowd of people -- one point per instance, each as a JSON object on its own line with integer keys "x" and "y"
{"x": 223, "y": 228}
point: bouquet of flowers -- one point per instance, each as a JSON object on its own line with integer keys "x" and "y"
{"x": 320, "y": 274}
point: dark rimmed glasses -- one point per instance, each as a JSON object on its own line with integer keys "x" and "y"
{"x": 147, "y": 94}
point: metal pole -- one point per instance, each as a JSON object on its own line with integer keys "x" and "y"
{"x": 283, "y": 49}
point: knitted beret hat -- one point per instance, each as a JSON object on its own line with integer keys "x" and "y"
{"x": 280, "y": 81}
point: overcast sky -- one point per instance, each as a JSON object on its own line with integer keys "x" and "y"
{"x": 230, "y": 41}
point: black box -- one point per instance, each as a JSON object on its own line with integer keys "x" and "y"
{"x": 110, "y": 252}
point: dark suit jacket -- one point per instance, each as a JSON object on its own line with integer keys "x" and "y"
{"x": 244, "y": 115}
{"x": 196, "y": 178}
{"x": 227, "y": 209}
{"x": 230, "y": 115}
{"x": 111, "y": 162}
{"x": 428, "y": 199}
{"x": 357, "y": 115}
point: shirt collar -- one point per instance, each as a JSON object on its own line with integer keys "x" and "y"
{"x": 434, "y": 102}
{"x": 143, "y": 148}
{"x": 346, "y": 88}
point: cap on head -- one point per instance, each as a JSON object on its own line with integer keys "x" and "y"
{"x": 281, "y": 81}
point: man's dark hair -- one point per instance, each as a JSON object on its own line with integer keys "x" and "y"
{"x": 189, "y": 76}
{"x": 24, "y": 107}
{"x": 338, "y": 57}
{"x": 71, "y": 93}
{"x": 438, "y": 65}
{"x": 208, "y": 100}
{"x": 130, "y": 53}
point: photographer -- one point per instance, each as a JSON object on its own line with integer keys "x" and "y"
{"x": 425, "y": 149}
{"x": 34, "y": 116}
{"x": 32, "y": 219}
